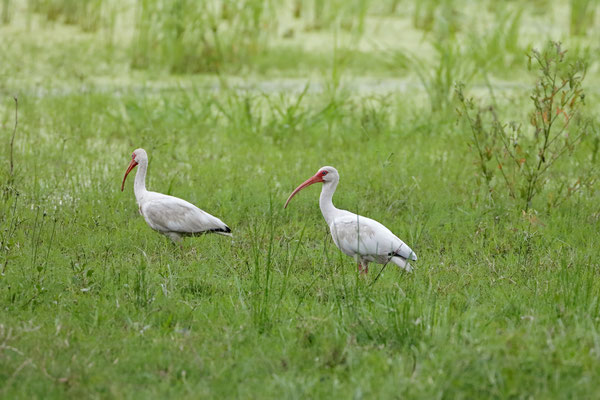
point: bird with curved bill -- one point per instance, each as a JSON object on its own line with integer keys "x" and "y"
{"x": 169, "y": 215}
{"x": 362, "y": 238}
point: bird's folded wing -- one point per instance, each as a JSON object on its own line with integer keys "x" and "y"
{"x": 176, "y": 215}
{"x": 363, "y": 235}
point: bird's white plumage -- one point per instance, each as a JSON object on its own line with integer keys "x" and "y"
{"x": 366, "y": 238}
{"x": 362, "y": 238}
{"x": 169, "y": 215}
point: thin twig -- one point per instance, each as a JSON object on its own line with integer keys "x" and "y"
{"x": 506, "y": 181}
{"x": 503, "y": 138}
{"x": 479, "y": 147}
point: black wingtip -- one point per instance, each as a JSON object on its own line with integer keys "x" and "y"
{"x": 223, "y": 231}
{"x": 226, "y": 229}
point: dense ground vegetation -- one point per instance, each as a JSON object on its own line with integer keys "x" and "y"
{"x": 236, "y": 103}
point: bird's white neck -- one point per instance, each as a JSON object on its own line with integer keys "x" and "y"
{"x": 139, "y": 186}
{"x": 325, "y": 201}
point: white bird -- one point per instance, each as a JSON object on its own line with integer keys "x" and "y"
{"x": 362, "y": 238}
{"x": 169, "y": 215}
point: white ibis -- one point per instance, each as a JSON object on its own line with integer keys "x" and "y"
{"x": 171, "y": 216}
{"x": 362, "y": 238}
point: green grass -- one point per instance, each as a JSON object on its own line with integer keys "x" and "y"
{"x": 93, "y": 303}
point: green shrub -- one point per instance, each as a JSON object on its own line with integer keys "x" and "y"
{"x": 517, "y": 157}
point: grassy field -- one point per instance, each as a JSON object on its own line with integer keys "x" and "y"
{"x": 239, "y": 102}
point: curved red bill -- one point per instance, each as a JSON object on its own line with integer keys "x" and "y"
{"x": 132, "y": 165}
{"x": 308, "y": 182}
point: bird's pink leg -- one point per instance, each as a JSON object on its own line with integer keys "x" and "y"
{"x": 363, "y": 267}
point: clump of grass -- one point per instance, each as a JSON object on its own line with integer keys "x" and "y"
{"x": 348, "y": 15}
{"x": 439, "y": 17}
{"x": 497, "y": 49}
{"x": 288, "y": 115}
{"x": 517, "y": 159}
{"x": 424, "y": 15}
{"x": 85, "y": 13}
{"x": 186, "y": 36}
{"x": 320, "y": 15}
{"x": 583, "y": 13}
{"x": 6, "y": 14}
{"x": 450, "y": 65}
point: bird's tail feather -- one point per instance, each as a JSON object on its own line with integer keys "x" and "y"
{"x": 402, "y": 263}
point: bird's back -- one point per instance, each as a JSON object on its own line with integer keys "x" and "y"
{"x": 355, "y": 234}
{"x": 166, "y": 213}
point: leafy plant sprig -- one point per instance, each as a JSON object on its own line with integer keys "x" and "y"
{"x": 519, "y": 159}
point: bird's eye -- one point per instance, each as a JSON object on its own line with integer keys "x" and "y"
{"x": 323, "y": 173}
{"x": 133, "y": 156}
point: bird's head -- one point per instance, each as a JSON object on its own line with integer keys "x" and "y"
{"x": 138, "y": 156}
{"x": 324, "y": 175}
